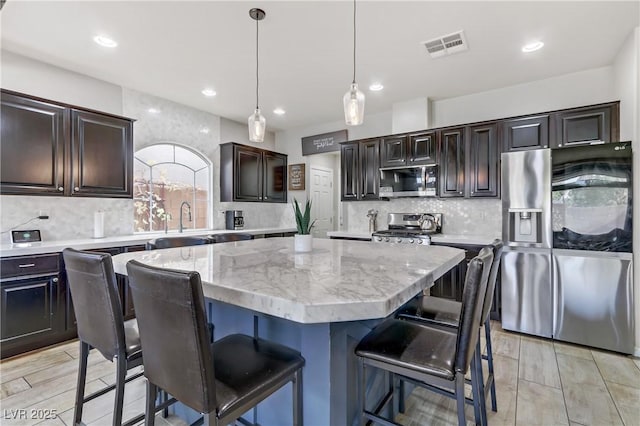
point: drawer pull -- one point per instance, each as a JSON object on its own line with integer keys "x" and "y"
{"x": 27, "y": 265}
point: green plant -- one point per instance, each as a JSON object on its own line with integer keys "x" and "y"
{"x": 303, "y": 219}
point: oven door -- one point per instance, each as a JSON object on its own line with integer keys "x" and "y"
{"x": 591, "y": 192}
{"x": 408, "y": 181}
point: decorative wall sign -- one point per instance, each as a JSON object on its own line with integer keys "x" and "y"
{"x": 296, "y": 177}
{"x": 326, "y": 142}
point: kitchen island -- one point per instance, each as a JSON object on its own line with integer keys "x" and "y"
{"x": 320, "y": 303}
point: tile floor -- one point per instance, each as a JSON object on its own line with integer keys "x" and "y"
{"x": 539, "y": 382}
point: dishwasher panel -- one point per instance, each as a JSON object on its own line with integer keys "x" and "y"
{"x": 526, "y": 291}
{"x": 593, "y": 293}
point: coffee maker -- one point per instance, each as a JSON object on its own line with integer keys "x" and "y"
{"x": 234, "y": 219}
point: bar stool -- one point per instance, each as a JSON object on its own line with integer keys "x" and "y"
{"x": 101, "y": 326}
{"x": 430, "y": 357}
{"x": 182, "y": 241}
{"x": 231, "y": 236}
{"x": 446, "y": 313}
{"x": 221, "y": 380}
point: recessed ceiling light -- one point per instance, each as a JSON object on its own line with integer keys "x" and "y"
{"x": 105, "y": 41}
{"x": 376, "y": 87}
{"x": 279, "y": 111}
{"x": 209, "y": 92}
{"x": 532, "y": 47}
{"x": 153, "y": 111}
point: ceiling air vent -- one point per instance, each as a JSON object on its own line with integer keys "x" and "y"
{"x": 446, "y": 45}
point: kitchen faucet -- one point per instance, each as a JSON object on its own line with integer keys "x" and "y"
{"x": 181, "y": 210}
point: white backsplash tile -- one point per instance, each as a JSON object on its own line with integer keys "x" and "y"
{"x": 460, "y": 216}
{"x": 69, "y": 217}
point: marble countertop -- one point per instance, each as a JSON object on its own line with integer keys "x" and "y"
{"x": 480, "y": 240}
{"x": 340, "y": 280}
{"x": 122, "y": 240}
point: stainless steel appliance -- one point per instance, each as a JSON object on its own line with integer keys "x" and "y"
{"x": 591, "y": 191}
{"x": 234, "y": 219}
{"x": 411, "y": 181}
{"x": 526, "y": 230}
{"x": 567, "y": 268}
{"x": 409, "y": 228}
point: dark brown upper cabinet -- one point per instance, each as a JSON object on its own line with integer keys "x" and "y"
{"x": 452, "y": 166}
{"x": 583, "y": 126}
{"x": 360, "y": 170}
{"x": 423, "y": 148}
{"x": 102, "y": 155}
{"x": 393, "y": 151}
{"x": 525, "y": 133}
{"x": 483, "y": 158}
{"x": 349, "y": 171}
{"x": 33, "y": 138}
{"x": 248, "y": 173}
{"x": 49, "y": 148}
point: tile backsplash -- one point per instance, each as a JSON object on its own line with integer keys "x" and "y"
{"x": 460, "y": 216}
{"x": 69, "y": 217}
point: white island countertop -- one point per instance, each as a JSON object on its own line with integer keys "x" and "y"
{"x": 120, "y": 240}
{"x": 340, "y": 280}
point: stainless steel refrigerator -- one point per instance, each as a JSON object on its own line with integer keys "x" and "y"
{"x": 592, "y": 221}
{"x": 527, "y": 296}
{"x": 567, "y": 268}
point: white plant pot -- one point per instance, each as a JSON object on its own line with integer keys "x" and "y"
{"x": 302, "y": 243}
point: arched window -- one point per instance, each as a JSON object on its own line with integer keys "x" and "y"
{"x": 165, "y": 177}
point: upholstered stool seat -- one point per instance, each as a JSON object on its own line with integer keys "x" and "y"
{"x": 411, "y": 346}
{"x": 181, "y": 241}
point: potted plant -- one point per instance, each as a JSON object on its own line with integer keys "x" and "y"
{"x": 303, "y": 240}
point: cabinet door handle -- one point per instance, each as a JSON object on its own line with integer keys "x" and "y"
{"x": 60, "y": 188}
{"x": 265, "y": 198}
{"x": 77, "y": 188}
{"x": 27, "y": 265}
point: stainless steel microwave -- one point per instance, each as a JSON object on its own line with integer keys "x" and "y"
{"x": 412, "y": 181}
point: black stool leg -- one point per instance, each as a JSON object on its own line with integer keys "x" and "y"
{"x": 297, "y": 399}
{"x": 460, "y": 399}
{"x": 478, "y": 384}
{"x": 150, "y": 409}
{"x": 121, "y": 374}
{"x": 82, "y": 379}
{"x": 494, "y": 401}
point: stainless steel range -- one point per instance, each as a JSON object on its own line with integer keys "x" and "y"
{"x": 409, "y": 228}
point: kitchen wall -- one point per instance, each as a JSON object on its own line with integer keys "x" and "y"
{"x": 565, "y": 91}
{"x": 626, "y": 70}
{"x": 73, "y": 217}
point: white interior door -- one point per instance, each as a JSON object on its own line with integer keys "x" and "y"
{"x": 322, "y": 201}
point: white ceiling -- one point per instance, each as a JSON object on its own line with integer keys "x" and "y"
{"x": 174, "y": 49}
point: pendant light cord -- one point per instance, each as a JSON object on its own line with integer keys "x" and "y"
{"x": 354, "y": 41}
{"x": 257, "y": 66}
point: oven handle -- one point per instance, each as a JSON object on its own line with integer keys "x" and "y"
{"x": 424, "y": 178}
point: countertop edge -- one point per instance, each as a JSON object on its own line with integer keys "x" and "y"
{"x": 8, "y": 250}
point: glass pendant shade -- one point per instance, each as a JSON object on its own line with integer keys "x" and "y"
{"x": 353, "y": 106}
{"x": 257, "y": 124}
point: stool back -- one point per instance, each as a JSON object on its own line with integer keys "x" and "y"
{"x": 475, "y": 287}
{"x": 96, "y": 302}
{"x": 183, "y": 241}
{"x": 225, "y": 238}
{"x": 174, "y": 334}
{"x": 496, "y": 247}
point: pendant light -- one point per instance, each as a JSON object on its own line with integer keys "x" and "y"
{"x": 353, "y": 100}
{"x": 256, "y": 121}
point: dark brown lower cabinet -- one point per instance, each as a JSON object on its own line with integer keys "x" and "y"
{"x": 32, "y": 303}
{"x": 451, "y": 284}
